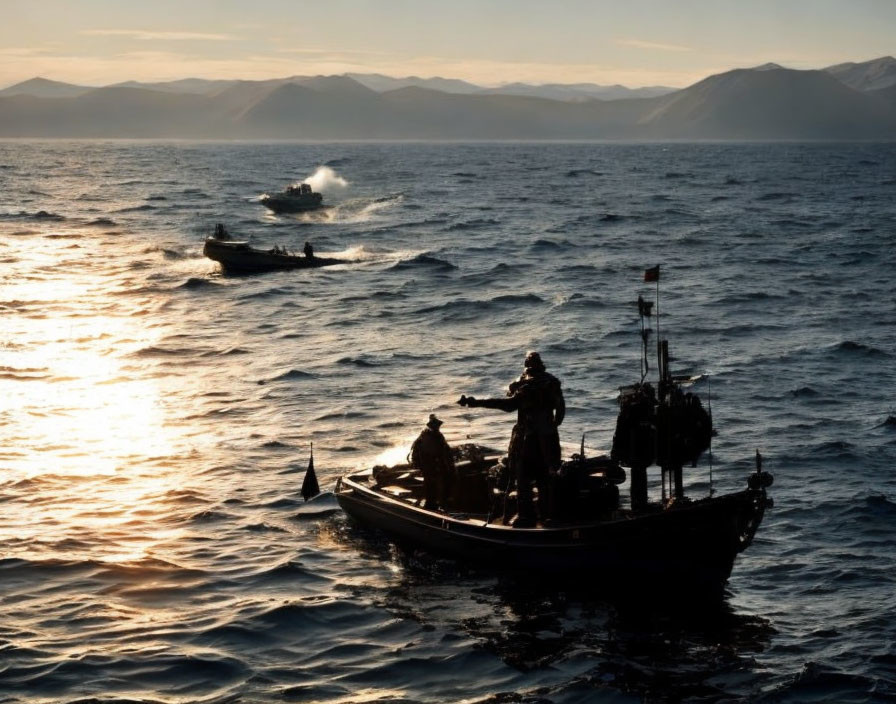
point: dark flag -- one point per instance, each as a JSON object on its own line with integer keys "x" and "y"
{"x": 652, "y": 274}
{"x": 310, "y": 486}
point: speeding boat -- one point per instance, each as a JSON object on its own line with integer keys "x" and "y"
{"x": 238, "y": 257}
{"x": 584, "y": 528}
{"x": 295, "y": 199}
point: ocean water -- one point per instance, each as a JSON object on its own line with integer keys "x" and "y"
{"x": 156, "y": 416}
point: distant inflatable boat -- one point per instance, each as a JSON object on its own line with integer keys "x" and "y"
{"x": 295, "y": 199}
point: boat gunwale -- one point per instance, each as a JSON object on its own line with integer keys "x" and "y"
{"x": 487, "y": 531}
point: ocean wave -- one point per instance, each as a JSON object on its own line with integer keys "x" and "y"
{"x": 468, "y": 309}
{"x": 263, "y": 527}
{"x": 226, "y": 352}
{"x": 575, "y": 173}
{"x": 45, "y": 216}
{"x": 321, "y": 506}
{"x": 137, "y": 208}
{"x": 293, "y": 375}
{"x": 516, "y": 299}
{"x": 286, "y": 502}
{"x": 777, "y": 195}
{"x": 804, "y": 392}
{"x": 835, "y": 449}
{"x": 578, "y": 300}
{"x": 360, "y": 361}
{"x": 102, "y": 222}
{"x": 24, "y": 373}
{"x": 849, "y": 347}
{"x": 194, "y": 192}
{"x": 157, "y": 351}
{"x": 542, "y": 244}
{"x": 881, "y": 505}
{"x": 792, "y": 223}
{"x": 341, "y": 415}
{"x": 310, "y": 612}
{"x": 211, "y": 516}
{"x": 818, "y": 682}
{"x": 196, "y": 282}
{"x": 472, "y": 225}
{"x": 265, "y": 294}
{"x": 287, "y": 571}
{"x": 423, "y": 261}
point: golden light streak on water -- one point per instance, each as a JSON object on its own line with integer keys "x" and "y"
{"x": 88, "y": 430}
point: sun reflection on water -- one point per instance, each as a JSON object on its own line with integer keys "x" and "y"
{"x": 87, "y": 431}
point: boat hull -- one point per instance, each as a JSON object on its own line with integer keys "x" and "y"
{"x": 239, "y": 257}
{"x": 286, "y": 204}
{"x": 693, "y": 543}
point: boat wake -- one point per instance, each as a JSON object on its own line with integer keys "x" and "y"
{"x": 348, "y": 212}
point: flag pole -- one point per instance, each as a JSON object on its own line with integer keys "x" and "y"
{"x": 659, "y": 338}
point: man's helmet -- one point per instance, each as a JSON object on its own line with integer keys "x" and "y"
{"x": 533, "y": 362}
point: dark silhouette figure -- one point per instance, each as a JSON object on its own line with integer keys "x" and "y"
{"x": 534, "y": 451}
{"x": 431, "y": 454}
{"x": 308, "y": 250}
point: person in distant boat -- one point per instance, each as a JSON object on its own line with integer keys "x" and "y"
{"x": 432, "y": 455}
{"x": 308, "y": 250}
{"x": 534, "y": 451}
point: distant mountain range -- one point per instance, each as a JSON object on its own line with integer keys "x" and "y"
{"x": 846, "y": 101}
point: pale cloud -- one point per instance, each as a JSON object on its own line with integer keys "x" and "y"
{"x": 653, "y": 46}
{"x": 333, "y": 52}
{"x": 145, "y": 35}
{"x": 22, "y": 52}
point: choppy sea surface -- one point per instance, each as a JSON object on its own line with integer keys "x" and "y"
{"x": 156, "y": 416}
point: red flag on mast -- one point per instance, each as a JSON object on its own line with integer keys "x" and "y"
{"x": 652, "y": 274}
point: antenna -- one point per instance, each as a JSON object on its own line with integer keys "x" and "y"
{"x": 644, "y": 310}
{"x": 709, "y": 408}
{"x": 653, "y": 275}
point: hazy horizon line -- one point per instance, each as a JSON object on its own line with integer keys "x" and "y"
{"x": 435, "y": 77}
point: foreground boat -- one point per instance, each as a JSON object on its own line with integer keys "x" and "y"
{"x": 685, "y": 543}
{"x": 239, "y": 257}
{"x": 295, "y": 199}
{"x": 692, "y": 543}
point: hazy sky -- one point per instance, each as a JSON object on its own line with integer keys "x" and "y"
{"x": 633, "y": 42}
